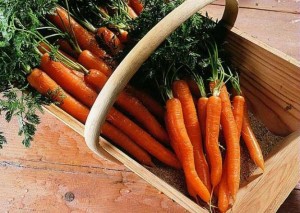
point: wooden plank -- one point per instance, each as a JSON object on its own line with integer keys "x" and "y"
{"x": 274, "y": 6}
{"x": 292, "y": 203}
{"x": 264, "y": 195}
{"x": 52, "y": 190}
{"x": 54, "y": 143}
{"x": 251, "y": 22}
{"x": 272, "y": 77}
{"x": 279, "y": 30}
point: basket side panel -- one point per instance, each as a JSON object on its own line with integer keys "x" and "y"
{"x": 266, "y": 192}
{"x": 270, "y": 80}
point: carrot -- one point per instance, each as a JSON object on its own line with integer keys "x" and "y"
{"x": 175, "y": 147}
{"x": 193, "y": 87}
{"x": 131, "y": 13}
{"x": 90, "y": 61}
{"x": 78, "y": 74}
{"x": 182, "y": 92}
{"x": 152, "y": 105}
{"x": 123, "y": 36}
{"x": 213, "y": 116}
{"x": 251, "y": 141}
{"x": 67, "y": 80}
{"x": 137, "y": 6}
{"x": 131, "y": 105}
{"x": 202, "y": 106}
{"x": 46, "y": 86}
{"x": 184, "y": 148}
{"x": 230, "y": 131}
{"x": 135, "y": 108}
{"x": 65, "y": 46}
{"x": 142, "y": 138}
{"x": 223, "y": 193}
{"x": 122, "y": 140}
{"x": 110, "y": 40}
{"x": 238, "y": 112}
{"x": 85, "y": 39}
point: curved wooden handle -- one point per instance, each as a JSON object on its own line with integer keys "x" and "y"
{"x": 133, "y": 61}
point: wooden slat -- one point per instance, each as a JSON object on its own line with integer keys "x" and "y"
{"x": 31, "y": 188}
{"x": 274, "y": 6}
{"x": 279, "y": 30}
{"x": 272, "y": 77}
{"x": 261, "y": 194}
{"x": 54, "y": 143}
{"x": 292, "y": 204}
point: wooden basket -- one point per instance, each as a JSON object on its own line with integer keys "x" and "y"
{"x": 270, "y": 80}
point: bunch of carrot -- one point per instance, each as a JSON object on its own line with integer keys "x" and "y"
{"x": 192, "y": 126}
{"x": 80, "y": 91}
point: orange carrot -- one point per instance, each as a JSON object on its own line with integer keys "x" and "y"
{"x": 122, "y": 140}
{"x": 232, "y": 143}
{"x": 201, "y": 106}
{"x": 142, "y": 138}
{"x": 46, "y": 86}
{"x": 223, "y": 193}
{"x": 238, "y": 112}
{"x": 152, "y": 105}
{"x": 123, "y": 36}
{"x": 90, "y": 61}
{"x": 131, "y": 105}
{"x": 132, "y": 13}
{"x": 251, "y": 141}
{"x": 184, "y": 147}
{"x": 65, "y": 46}
{"x": 194, "y": 87}
{"x": 137, "y": 6}
{"x": 182, "y": 92}
{"x": 175, "y": 147}
{"x": 67, "y": 80}
{"x": 213, "y": 115}
{"x": 85, "y": 39}
{"x": 79, "y": 74}
{"x": 110, "y": 40}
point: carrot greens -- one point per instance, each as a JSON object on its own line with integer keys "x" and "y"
{"x": 18, "y": 23}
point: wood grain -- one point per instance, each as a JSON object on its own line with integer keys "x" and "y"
{"x": 279, "y": 30}
{"x": 283, "y": 168}
{"x": 289, "y": 6}
{"x": 293, "y": 204}
{"x": 53, "y": 189}
{"x": 272, "y": 77}
{"x": 54, "y": 143}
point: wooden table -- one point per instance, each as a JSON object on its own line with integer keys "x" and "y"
{"x": 59, "y": 173}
